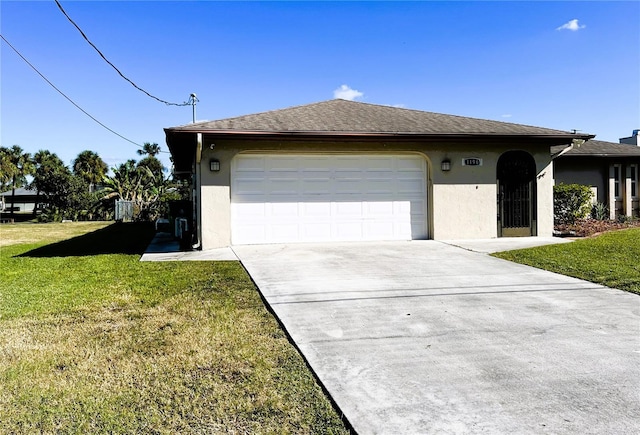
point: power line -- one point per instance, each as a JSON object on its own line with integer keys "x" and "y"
{"x": 112, "y": 65}
{"x": 64, "y": 95}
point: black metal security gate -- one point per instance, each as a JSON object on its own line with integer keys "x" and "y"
{"x": 516, "y": 194}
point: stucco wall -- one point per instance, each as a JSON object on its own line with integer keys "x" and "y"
{"x": 462, "y": 201}
{"x": 585, "y": 171}
{"x": 544, "y": 192}
{"x": 464, "y": 211}
{"x": 216, "y": 199}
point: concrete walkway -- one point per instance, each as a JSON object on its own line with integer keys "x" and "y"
{"x": 424, "y": 337}
{"x": 165, "y": 247}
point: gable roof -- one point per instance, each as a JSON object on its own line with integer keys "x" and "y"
{"x": 342, "y": 117}
{"x": 599, "y": 148}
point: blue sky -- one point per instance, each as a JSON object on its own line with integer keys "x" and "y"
{"x": 563, "y": 65}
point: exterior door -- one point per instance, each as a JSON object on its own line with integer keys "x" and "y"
{"x": 516, "y": 175}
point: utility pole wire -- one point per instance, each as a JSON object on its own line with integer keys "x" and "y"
{"x": 112, "y": 65}
{"x": 64, "y": 95}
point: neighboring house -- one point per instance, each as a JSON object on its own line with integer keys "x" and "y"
{"x": 24, "y": 202}
{"x": 611, "y": 169}
{"x": 341, "y": 170}
{"x": 634, "y": 139}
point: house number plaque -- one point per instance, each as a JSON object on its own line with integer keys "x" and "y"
{"x": 471, "y": 161}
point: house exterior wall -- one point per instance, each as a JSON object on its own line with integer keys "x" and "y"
{"x": 215, "y": 199}
{"x": 462, "y": 202}
{"x": 586, "y": 171}
{"x": 599, "y": 174}
{"x": 544, "y": 181}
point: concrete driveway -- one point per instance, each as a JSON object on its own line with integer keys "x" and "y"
{"x": 424, "y": 337}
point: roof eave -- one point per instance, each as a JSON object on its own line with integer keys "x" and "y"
{"x": 603, "y": 155}
{"x": 564, "y": 137}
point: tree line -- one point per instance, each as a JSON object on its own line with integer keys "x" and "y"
{"x": 85, "y": 191}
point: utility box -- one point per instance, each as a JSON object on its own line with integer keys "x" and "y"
{"x": 181, "y": 217}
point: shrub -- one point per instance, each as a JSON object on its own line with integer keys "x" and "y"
{"x": 600, "y": 211}
{"x": 625, "y": 219}
{"x": 571, "y": 202}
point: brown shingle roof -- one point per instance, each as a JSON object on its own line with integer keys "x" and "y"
{"x": 599, "y": 148}
{"x": 350, "y": 117}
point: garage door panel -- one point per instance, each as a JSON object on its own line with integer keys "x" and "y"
{"x": 289, "y": 198}
{"x": 417, "y": 209}
{"x": 281, "y": 164}
{"x": 347, "y": 186}
{"x": 414, "y": 208}
{"x": 409, "y": 163}
{"x": 250, "y": 164}
{"x": 316, "y": 163}
{"x": 381, "y": 230}
{"x": 282, "y": 232}
{"x": 381, "y": 187}
{"x": 410, "y": 186}
{"x": 247, "y": 211}
{"x": 283, "y": 186}
{"x": 380, "y": 208}
{"x": 347, "y": 163}
{"x": 349, "y": 231}
{"x": 347, "y": 175}
{"x": 316, "y": 209}
{"x": 316, "y": 232}
{"x": 248, "y": 187}
{"x": 346, "y": 209}
{"x": 315, "y": 186}
{"x": 382, "y": 164}
{"x": 284, "y": 210}
{"x": 249, "y": 234}
{"x": 404, "y": 228}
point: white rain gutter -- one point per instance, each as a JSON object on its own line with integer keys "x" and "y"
{"x": 574, "y": 142}
{"x": 198, "y": 192}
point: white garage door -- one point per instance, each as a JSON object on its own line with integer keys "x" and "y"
{"x": 316, "y": 198}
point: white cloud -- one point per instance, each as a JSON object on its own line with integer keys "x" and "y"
{"x": 507, "y": 115}
{"x": 572, "y": 25}
{"x": 344, "y": 92}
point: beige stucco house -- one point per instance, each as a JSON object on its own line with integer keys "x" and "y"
{"x": 611, "y": 169}
{"x": 344, "y": 171}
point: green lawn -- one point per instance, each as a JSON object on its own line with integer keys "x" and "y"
{"x": 611, "y": 259}
{"x": 94, "y": 341}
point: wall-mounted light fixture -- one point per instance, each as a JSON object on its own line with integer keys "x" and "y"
{"x": 445, "y": 165}
{"x": 214, "y": 165}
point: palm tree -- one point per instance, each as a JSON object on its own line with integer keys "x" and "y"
{"x": 134, "y": 183}
{"x": 90, "y": 167}
{"x": 150, "y": 149}
{"x": 122, "y": 182}
{"x": 6, "y": 173}
{"x": 16, "y": 165}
